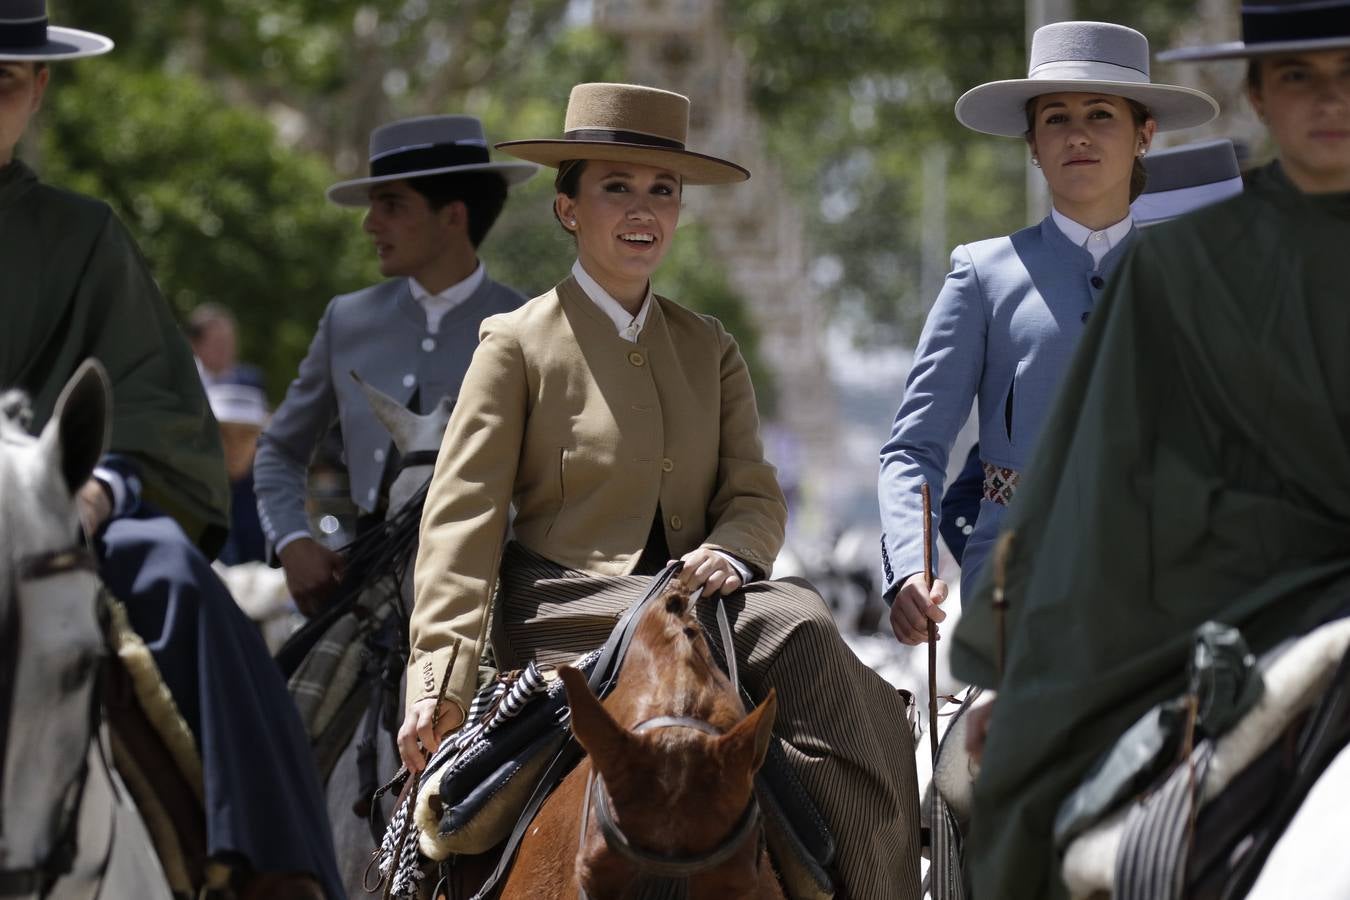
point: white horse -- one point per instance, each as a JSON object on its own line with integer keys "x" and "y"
{"x": 418, "y": 438}
{"x": 68, "y": 828}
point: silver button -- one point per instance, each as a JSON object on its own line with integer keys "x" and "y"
{"x": 370, "y": 495}
{"x": 428, "y": 344}
{"x": 379, "y": 456}
{"x": 409, "y": 380}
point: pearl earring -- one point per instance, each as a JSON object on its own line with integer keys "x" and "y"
{"x": 1035, "y": 162}
{"x": 572, "y": 222}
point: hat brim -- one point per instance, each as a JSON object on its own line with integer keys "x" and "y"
{"x": 999, "y": 107}
{"x": 693, "y": 168}
{"x": 62, "y": 43}
{"x": 1240, "y": 50}
{"x": 356, "y": 192}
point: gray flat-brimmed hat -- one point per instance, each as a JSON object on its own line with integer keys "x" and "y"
{"x": 628, "y": 123}
{"x": 1085, "y": 57}
{"x": 426, "y": 145}
{"x": 25, "y": 35}
{"x": 1186, "y": 178}
{"x": 1271, "y": 26}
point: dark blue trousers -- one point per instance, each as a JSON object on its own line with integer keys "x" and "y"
{"x": 264, "y": 800}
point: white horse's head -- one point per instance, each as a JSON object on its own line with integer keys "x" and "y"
{"x": 48, "y": 617}
{"x": 417, "y": 438}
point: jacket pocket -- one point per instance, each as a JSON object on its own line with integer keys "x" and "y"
{"x": 1010, "y": 403}
{"x": 558, "y": 490}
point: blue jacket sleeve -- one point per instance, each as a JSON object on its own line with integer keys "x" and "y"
{"x": 942, "y": 385}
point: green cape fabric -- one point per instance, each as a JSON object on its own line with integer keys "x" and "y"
{"x": 74, "y": 285}
{"x": 1196, "y": 466}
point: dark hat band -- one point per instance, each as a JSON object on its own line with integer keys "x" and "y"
{"x": 432, "y": 156}
{"x": 1269, "y": 23}
{"x": 23, "y": 34}
{"x": 612, "y": 136}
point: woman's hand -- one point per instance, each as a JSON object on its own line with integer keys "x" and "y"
{"x": 707, "y": 568}
{"x": 914, "y": 607}
{"x": 417, "y": 739}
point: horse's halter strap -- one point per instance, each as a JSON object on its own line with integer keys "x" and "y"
{"x": 417, "y": 458}
{"x": 36, "y": 879}
{"x": 658, "y": 863}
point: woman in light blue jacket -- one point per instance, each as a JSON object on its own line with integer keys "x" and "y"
{"x": 1012, "y": 310}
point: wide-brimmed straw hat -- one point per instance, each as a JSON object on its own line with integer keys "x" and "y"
{"x": 25, "y": 35}
{"x": 628, "y": 123}
{"x": 1271, "y": 26}
{"x": 426, "y": 145}
{"x": 1085, "y": 57}
{"x": 1186, "y": 178}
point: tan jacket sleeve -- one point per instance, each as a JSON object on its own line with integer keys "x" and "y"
{"x": 464, "y": 521}
{"x": 747, "y": 514}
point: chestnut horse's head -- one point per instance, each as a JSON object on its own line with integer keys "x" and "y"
{"x": 673, "y": 758}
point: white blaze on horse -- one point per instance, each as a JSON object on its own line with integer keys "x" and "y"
{"x": 67, "y": 825}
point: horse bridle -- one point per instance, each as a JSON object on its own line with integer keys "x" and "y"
{"x": 660, "y": 864}
{"x": 36, "y": 879}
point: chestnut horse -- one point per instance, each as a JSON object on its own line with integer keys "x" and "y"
{"x": 667, "y": 788}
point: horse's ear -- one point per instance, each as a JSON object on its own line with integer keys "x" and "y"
{"x": 400, "y": 421}
{"x": 81, "y": 424}
{"x": 603, "y": 739}
{"x": 746, "y": 744}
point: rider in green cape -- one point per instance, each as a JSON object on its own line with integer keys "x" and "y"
{"x": 1196, "y": 466}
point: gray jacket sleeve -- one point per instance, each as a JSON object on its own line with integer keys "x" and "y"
{"x": 280, "y": 470}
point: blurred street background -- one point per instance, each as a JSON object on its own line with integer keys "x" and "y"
{"x": 216, "y": 125}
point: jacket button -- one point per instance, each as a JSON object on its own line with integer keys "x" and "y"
{"x": 428, "y": 344}
{"x": 409, "y": 380}
{"x": 676, "y": 523}
{"x": 1098, "y": 282}
{"x": 1084, "y": 317}
{"x": 379, "y": 456}
{"x": 667, "y": 465}
{"x": 636, "y": 358}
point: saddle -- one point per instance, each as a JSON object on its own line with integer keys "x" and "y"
{"x": 481, "y": 791}
{"x": 1248, "y": 783}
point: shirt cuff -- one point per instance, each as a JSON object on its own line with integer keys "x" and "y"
{"x": 122, "y": 483}
{"x": 289, "y": 539}
{"x": 741, "y": 568}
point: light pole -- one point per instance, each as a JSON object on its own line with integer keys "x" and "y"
{"x": 1041, "y": 12}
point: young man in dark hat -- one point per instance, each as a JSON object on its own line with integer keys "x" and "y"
{"x": 1195, "y": 463}
{"x": 432, "y": 195}
{"x": 75, "y": 286}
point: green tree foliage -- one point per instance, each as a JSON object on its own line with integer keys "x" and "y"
{"x": 221, "y": 210}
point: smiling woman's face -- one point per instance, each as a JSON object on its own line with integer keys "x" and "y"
{"x": 1086, "y": 145}
{"x": 624, "y": 217}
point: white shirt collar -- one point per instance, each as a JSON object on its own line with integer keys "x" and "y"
{"x": 629, "y": 326}
{"x": 437, "y": 305}
{"x": 1098, "y": 243}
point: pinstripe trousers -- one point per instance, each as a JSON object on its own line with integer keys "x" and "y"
{"x": 844, "y": 727}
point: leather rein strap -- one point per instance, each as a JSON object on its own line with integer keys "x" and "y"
{"x": 38, "y": 878}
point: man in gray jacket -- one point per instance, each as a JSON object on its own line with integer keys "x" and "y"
{"x": 432, "y": 193}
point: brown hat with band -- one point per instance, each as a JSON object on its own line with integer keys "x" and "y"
{"x": 628, "y": 123}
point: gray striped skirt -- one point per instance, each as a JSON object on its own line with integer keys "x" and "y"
{"x": 844, "y": 727}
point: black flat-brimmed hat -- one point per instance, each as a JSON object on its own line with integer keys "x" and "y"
{"x": 628, "y": 123}
{"x": 1186, "y": 178}
{"x": 1087, "y": 57}
{"x": 426, "y": 145}
{"x": 1272, "y": 26}
{"x": 25, "y": 35}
